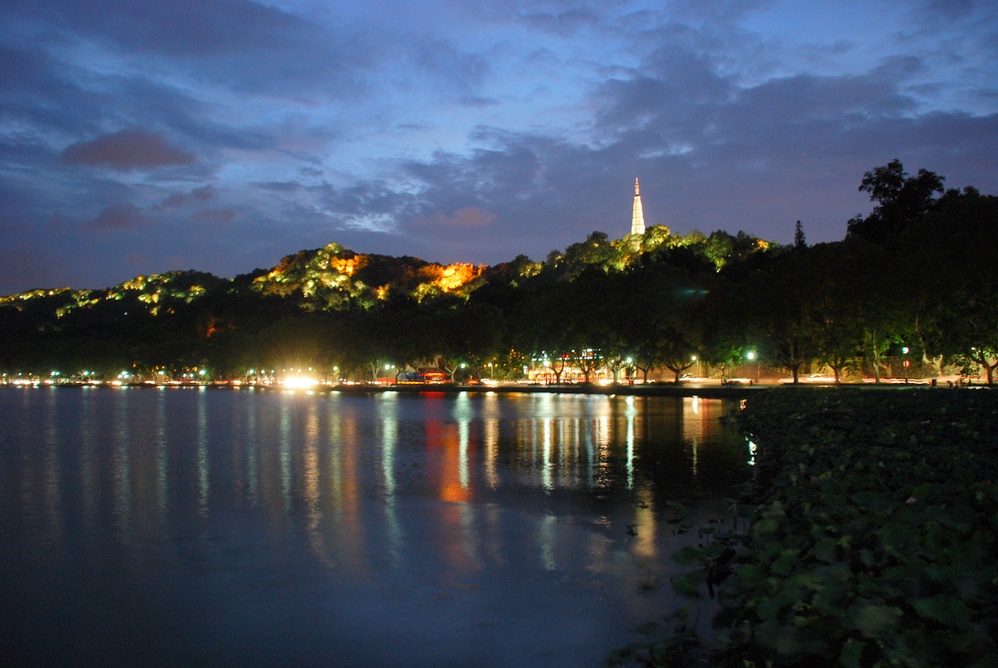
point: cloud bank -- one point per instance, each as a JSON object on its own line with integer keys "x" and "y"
{"x": 140, "y": 136}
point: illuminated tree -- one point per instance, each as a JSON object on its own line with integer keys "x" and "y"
{"x": 597, "y": 251}
{"x": 723, "y": 249}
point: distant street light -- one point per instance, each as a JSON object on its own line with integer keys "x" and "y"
{"x": 750, "y": 355}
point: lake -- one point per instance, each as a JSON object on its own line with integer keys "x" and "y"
{"x": 247, "y": 527}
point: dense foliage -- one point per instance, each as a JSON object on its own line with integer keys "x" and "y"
{"x": 875, "y": 544}
{"x": 873, "y": 539}
{"x": 913, "y": 282}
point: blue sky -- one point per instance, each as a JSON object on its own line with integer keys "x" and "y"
{"x": 140, "y": 136}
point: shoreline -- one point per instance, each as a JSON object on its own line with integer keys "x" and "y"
{"x": 706, "y": 390}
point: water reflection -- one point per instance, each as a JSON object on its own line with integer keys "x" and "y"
{"x": 436, "y": 505}
{"x": 306, "y": 458}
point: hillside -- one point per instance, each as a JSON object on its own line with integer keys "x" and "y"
{"x": 874, "y": 305}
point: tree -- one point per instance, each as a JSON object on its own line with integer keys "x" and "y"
{"x": 587, "y": 360}
{"x": 725, "y": 250}
{"x": 653, "y": 316}
{"x": 953, "y": 310}
{"x": 468, "y": 334}
{"x": 597, "y": 251}
{"x": 841, "y": 271}
{"x": 546, "y": 325}
{"x": 901, "y": 199}
{"x": 677, "y": 352}
{"x": 799, "y": 240}
{"x": 778, "y": 300}
{"x": 615, "y": 362}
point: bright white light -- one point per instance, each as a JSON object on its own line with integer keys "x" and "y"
{"x": 300, "y": 383}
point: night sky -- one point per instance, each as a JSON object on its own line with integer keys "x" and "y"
{"x": 141, "y": 136}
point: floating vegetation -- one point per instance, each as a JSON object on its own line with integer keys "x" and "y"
{"x": 872, "y": 541}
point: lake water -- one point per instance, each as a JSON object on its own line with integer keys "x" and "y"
{"x": 212, "y": 527}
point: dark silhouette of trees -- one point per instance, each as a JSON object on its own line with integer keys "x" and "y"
{"x": 799, "y": 240}
{"x": 901, "y": 199}
{"x": 839, "y": 335}
{"x": 950, "y": 294}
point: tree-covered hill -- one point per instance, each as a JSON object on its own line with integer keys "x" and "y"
{"x": 912, "y": 284}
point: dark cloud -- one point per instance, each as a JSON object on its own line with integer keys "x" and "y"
{"x": 280, "y": 186}
{"x": 181, "y": 28}
{"x": 952, "y": 9}
{"x": 201, "y": 195}
{"x": 365, "y": 204}
{"x": 247, "y": 46}
{"x": 117, "y": 217}
{"x": 565, "y": 23}
{"x": 22, "y": 69}
{"x": 459, "y": 72}
{"x": 808, "y": 98}
{"x": 727, "y": 12}
{"x": 44, "y": 94}
{"x": 127, "y": 150}
{"x": 466, "y": 217}
{"x": 217, "y": 216}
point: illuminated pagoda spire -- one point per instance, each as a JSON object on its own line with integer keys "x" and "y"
{"x": 638, "y": 217}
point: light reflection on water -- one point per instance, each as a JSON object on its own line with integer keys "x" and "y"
{"x": 219, "y": 527}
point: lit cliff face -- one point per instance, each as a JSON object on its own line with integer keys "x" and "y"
{"x": 456, "y": 275}
{"x": 457, "y": 279}
{"x": 347, "y": 266}
{"x": 332, "y": 276}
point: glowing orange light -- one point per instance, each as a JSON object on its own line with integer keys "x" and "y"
{"x": 346, "y": 266}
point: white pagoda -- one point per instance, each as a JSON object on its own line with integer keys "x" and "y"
{"x": 638, "y": 216}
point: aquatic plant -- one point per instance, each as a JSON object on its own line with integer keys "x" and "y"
{"x": 872, "y": 540}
